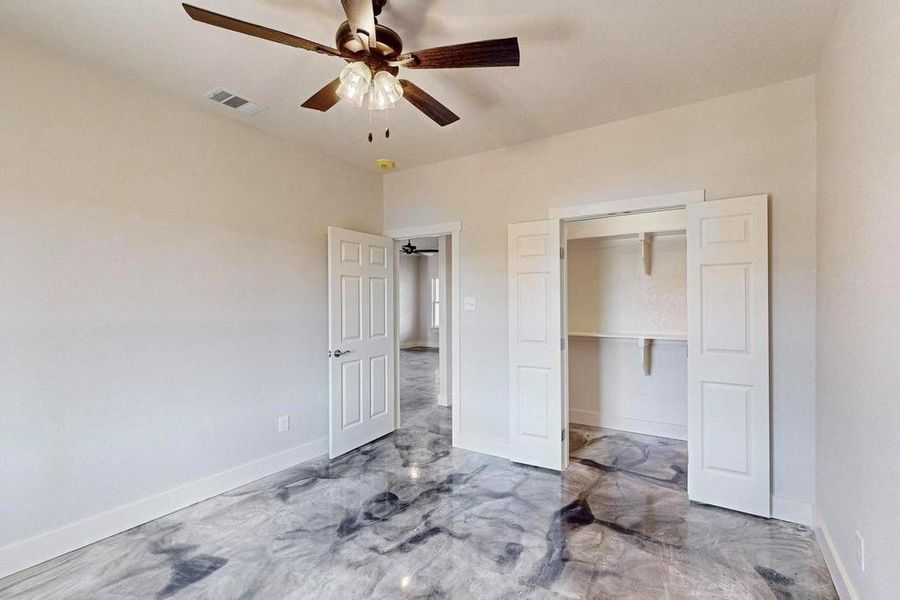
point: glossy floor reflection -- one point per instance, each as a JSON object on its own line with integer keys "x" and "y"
{"x": 409, "y": 517}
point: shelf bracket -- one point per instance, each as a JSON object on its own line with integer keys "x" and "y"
{"x": 644, "y": 239}
{"x": 644, "y": 344}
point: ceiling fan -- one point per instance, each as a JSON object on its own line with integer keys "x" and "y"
{"x": 409, "y": 248}
{"x": 374, "y": 54}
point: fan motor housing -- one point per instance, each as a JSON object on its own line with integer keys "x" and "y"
{"x": 388, "y": 45}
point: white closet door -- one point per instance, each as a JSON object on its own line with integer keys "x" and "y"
{"x": 728, "y": 354}
{"x": 535, "y": 357}
{"x": 361, "y": 338}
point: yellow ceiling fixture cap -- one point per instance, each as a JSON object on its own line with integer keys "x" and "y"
{"x": 385, "y": 164}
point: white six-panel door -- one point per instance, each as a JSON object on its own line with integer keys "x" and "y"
{"x": 728, "y": 354}
{"x": 535, "y": 357}
{"x": 361, "y": 338}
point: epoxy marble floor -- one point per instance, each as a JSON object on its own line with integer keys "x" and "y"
{"x": 409, "y": 517}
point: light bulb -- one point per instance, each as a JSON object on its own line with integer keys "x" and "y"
{"x": 356, "y": 79}
{"x": 386, "y": 91}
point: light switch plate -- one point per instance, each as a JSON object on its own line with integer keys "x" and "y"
{"x": 469, "y": 303}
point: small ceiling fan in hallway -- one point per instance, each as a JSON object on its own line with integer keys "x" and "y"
{"x": 374, "y": 56}
{"x": 409, "y": 248}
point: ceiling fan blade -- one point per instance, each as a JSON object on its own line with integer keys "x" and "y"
{"x": 436, "y": 111}
{"x": 217, "y": 20}
{"x": 427, "y": 251}
{"x": 324, "y": 98}
{"x": 487, "y": 53}
{"x": 361, "y": 15}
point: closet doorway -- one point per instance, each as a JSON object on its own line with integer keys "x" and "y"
{"x": 684, "y": 355}
{"x": 627, "y": 323}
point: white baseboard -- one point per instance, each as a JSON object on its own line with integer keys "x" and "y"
{"x": 667, "y": 430}
{"x": 407, "y": 345}
{"x": 795, "y": 511}
{"x": 836, "y": 567}
{"x": 35, "y": 550}
{"x": 484, "y": 445}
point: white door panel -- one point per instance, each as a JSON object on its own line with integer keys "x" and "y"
{"x": 361, "y": 339}
{"x": 728, "y": 354}
{"x": 535, "y": 357}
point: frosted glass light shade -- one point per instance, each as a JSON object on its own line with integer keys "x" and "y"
{"x": 356, "y": 79}
{"x": 386, "y": 91}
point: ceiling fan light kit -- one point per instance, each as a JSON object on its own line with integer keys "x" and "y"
{"x": 386, "y": 91}
{"x": 356, "y": 79}
{"x": 374, "y": 54}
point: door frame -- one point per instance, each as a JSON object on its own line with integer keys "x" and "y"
{"x": 597, "y": 210}
{"x": 451, "y": 229}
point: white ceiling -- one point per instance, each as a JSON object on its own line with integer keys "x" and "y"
{"x": 584, "y": 62}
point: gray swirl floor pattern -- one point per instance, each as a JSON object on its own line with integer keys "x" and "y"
{"x": 407, "y": 516}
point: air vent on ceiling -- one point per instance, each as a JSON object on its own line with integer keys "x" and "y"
{"x": 232, "y": 100}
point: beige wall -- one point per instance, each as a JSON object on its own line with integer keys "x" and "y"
{"x": 760, "y": 141}
{"x": 858, "y": 411}
{"x": 164, "y": 298}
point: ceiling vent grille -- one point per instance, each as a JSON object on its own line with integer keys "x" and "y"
{"x": 233, "y": 101}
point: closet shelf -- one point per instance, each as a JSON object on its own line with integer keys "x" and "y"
{"x": 682, "y": 337}
{"x": 644, "y": 341}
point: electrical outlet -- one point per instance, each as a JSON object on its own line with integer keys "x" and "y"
{"x": 469, "y": 303}
{"x": 860, "y": 552}
{"x": 284, "y": 423}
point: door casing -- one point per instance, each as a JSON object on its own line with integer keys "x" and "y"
{"x": 597, "y": 210}
{"x": 606, "y": 209}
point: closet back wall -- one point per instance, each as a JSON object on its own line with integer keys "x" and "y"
{"x": 609, "y": 295}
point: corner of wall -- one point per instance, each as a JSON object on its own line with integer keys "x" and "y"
{"x": 836, "y": 568}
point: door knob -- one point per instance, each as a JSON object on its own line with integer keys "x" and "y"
{"x": 339, "y": 353}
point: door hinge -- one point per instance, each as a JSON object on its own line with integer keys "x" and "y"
{"x": 562, "y": 437}
{"x": 562, "y": 253}
{"x": 562, "y": 343}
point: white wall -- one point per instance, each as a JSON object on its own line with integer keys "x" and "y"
{"x": 408, "y": 299}
{"x": 428, "y": 269}
{"x": 164, "y": 297}
{"x": 609, "y": 292}
{"x": 858, "y": 412}
{"x": 416, "y": 271}
{"x": 760, "y": 141}
{"x": 608, "y": 388}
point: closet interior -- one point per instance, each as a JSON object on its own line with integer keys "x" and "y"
{"x": 627, "y": 323}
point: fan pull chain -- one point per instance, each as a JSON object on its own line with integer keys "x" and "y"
{"x": 387, "y": 124}
{"x": 370, "y": 126}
